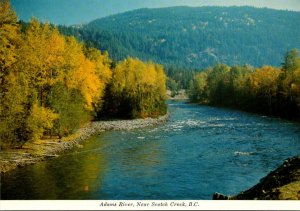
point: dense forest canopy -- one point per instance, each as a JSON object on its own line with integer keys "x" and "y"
{"x": 195, "y": 38}
{"x": 50, "y": 84}
{"x": 269, "y": 90}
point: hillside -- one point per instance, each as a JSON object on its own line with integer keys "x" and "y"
{"x": 196, "y": 37}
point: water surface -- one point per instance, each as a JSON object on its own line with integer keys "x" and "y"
{"x": 201, "y": 150}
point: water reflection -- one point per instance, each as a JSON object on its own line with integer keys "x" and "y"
{"x": 146, "y": 154}
{"x": 201, "y": 150}
{"x": 73, "y": 176}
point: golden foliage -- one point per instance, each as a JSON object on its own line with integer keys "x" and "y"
{"x": 39, "y": 120}
{"x": 44, "y": 75}
{"x": 42, "y": 54}
{"x": 265, "y": 80}
{"x": 9, "y": 37}
{"x": 143, "y": 84}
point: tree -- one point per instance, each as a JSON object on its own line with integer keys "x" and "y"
{"x": 198, "y": 90}
{"x": 40, "y": 120}
{"x": 172, "y": 86}
{"x": 138, "y": 89}
{"x": 13, "y": 86}
{"x": 102, "y": 67}
{"x": 290, "y": 75}
{"x": 9, "y": 38}
{"x": 263, "y": 86}
{"x": 289, "y": 85}
{"x": 218, "y": 84}
{"x": 69, "y": 105}
{"x": 238, "y": 77}
{"x": 42, "y": 57}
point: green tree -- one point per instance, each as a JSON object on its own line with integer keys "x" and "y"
{"x": 289, "y": 84}
{"x": 69, "y": 105}
{"x": 198, "y": 90}
{"x": 218, "y": 84}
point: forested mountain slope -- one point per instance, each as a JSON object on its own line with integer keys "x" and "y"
{"x": 196, "y": 37}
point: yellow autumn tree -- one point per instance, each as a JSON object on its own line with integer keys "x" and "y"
{"x": 13, "y": 86}
{"x": 41, "y": 61}
{"x": 9, "y": 37}
{"x": 141, "y": 88}
{"x": 52, "y": 84}
{"x": 264, "y": 81}
{"x": 39, "y": 120}
{"x": 157, "y": 102}
{"x": 82, "y": 73}
{"x": 42, "y": 55}
{"x": 102, "y": 64}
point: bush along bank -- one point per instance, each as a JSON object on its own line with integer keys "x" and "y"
{"x": 33, "y": 152}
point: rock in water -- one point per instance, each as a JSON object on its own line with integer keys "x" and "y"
{"x": 219, "y": 196}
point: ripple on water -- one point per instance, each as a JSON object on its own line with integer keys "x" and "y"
{"x": 238, "y": 153}
{"x": 201, "y": 150}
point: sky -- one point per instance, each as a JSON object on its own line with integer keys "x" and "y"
{"x": 69, "y": 12}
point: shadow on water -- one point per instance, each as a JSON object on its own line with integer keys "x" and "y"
{"x": 201, "y": 150}
{"x": 76, "y": 175}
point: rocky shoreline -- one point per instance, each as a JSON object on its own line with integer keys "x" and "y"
{"x": 38, "y": 151}
{"x": 280, "y": 184}
{"x": 180, "y": 95}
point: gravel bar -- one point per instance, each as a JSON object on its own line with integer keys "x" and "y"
{"x": 36, "y": 152}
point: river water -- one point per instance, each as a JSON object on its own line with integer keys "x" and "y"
{"x": 201, "y": 150}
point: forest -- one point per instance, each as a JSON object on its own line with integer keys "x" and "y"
{"x": 269, "y": 90}
{"x": 51, "y": 84}
{"x": 195, "y": 37}
{"x": 173, "y": 103}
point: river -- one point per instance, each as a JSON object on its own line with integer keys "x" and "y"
{"x": 201, "y": 150}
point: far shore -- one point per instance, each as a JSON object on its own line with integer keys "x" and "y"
{"x": 35, "y": 152}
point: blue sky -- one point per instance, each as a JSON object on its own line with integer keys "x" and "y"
{"x": 70, "y": 12}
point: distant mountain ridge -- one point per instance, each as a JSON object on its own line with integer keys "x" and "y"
{"x": 196, "y": 37}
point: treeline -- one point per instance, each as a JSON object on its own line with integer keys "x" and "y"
{"x": 51, "y": 84}
{"x": 195, "y": 37}
{"x": 269, "y": 90}
{"x": 178, "y": 78}
{"x": 137, "y": 89}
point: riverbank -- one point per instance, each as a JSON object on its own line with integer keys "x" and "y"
{"x": 180, "y": 95}
{"x": 33, "y": 152}
{"x": 280, "y": 184}
{"x": 294, "y": 118}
